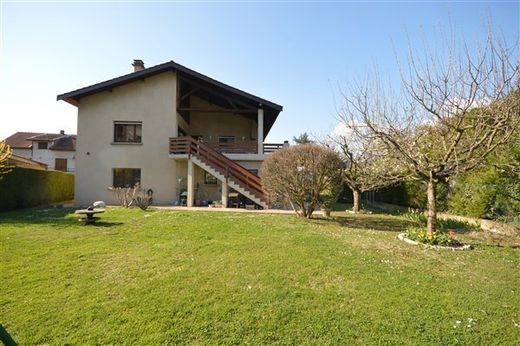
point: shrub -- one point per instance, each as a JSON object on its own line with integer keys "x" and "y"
{"x": 5, "y": 153}
{"x": 142, "y": 198}
{"x": 474, "y": 194}
{"x": 125, "y": 195}
{"x": 137, "y": 195}
{"x": 442, "y": 223}
{"x": 412, "y": 194}
{"x": 486, "y": 193}
{"x": 25, "y": 187}
{"x": 306, "y": 175}
{"x": 447, "y": 224}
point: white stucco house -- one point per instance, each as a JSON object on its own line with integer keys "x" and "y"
{"x": 190, "y": 139}
{"x": 56, "y": 150}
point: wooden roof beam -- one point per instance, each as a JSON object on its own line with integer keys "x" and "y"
{"x": 218, "y": 110}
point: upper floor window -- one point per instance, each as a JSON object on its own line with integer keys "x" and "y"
{"x": 127, "y": 132}
{"x": 42, "y": 145}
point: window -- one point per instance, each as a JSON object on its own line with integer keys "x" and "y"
{"x": 127, "y": 132}
{"x": 126, "y": 177}
{"x": 42, "y": 145}
{"x": 60, "y": 165}
{"x": 226, "y": 139}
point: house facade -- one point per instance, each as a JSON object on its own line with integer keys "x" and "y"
{"x": 55, "y": 150}
{"x": 186, "y": 138}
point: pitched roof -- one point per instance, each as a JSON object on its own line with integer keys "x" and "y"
{"x": 67, "y": 142}
{"x": 19, "y": 140}
{"x": 23, "y": 140}
{"x": 45, "y": 137}
{"x": 73, "y": 97}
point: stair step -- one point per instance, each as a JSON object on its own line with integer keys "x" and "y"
{"x": 255, "y": 196}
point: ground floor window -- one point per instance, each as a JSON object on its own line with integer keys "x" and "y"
{"x": 126, "y": 177}
{"x": 60, "y": 165}
{"x": 209, "y": 179}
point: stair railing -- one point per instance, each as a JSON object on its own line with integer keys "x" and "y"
{"x": 227, "y": 167}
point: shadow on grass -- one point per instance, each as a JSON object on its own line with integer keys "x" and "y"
{"x": 374, "y": 222}
{"x": 100, "y": 224}
{"x": 50, "y": 217}
{"x": 6, "y": 338}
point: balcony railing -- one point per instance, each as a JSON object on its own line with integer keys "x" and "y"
{"x": 243, "y": 147}
{"x": 240, "y": 147}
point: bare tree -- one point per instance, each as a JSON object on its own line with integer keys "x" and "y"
{"x": 125, "y": 195}
{"x": 306, "y": 175}
{"x": 451, "y": 114}
{"x": 143, "y": 197}
{"x": 368, "y": 165}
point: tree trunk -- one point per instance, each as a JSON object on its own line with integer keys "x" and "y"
{"x": 357, "y": 196}
{"x": 310, "y": 210}
{"x": 432, "y": 207}
{"x": 303, "y": 209}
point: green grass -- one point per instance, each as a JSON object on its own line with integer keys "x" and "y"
{"x": 169, "y": 277}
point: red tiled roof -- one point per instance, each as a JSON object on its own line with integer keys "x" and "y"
{"x": 19, "y": 140}
{"x": 23, "y": 140}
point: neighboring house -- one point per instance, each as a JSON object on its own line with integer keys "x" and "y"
{"x": 20, "y": 145}
{"x": 183, "y": 135}
{"x": 56, "y": 150}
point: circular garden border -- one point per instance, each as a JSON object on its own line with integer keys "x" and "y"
{"x": 402, "y": 236}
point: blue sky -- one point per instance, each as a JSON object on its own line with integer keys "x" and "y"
{"x": 294, "y": 54}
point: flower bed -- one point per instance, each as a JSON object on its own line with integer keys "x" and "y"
{"x": 439, "y": 239}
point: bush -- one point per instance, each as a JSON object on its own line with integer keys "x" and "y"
{"x": 306, "y": 175}
{"x": 412, "y": 194}
{"x": 25, "y": 187}
{"x": 486, "y": 193}
{"x": 442, "y": 224}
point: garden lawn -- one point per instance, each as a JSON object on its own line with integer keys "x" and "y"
{"x": 169, "y": 277}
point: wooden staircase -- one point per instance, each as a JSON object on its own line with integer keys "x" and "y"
{"x": 223, "y": 168}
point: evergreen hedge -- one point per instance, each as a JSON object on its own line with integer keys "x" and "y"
{"x": 25, "y": 187}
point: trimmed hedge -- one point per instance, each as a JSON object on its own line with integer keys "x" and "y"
{"x": 25, "y": 187}
{"x": 413, "y": 194}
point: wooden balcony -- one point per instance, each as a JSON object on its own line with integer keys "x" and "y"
{"x": 238, "y": 147}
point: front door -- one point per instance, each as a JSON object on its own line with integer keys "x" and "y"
{"x": 60, "y": 165}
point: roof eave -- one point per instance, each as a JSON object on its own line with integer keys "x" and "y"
{"x": 73, "y": 97}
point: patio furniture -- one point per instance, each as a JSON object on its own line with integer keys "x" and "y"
{"x": 89, "y": 214}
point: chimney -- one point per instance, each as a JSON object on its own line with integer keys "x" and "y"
{"x": 138, "y": 65}
{"x": 62, "y": 132}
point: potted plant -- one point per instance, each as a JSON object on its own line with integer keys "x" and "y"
{"x": 326, "y": 209}
{"x": 328, "y": 198}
